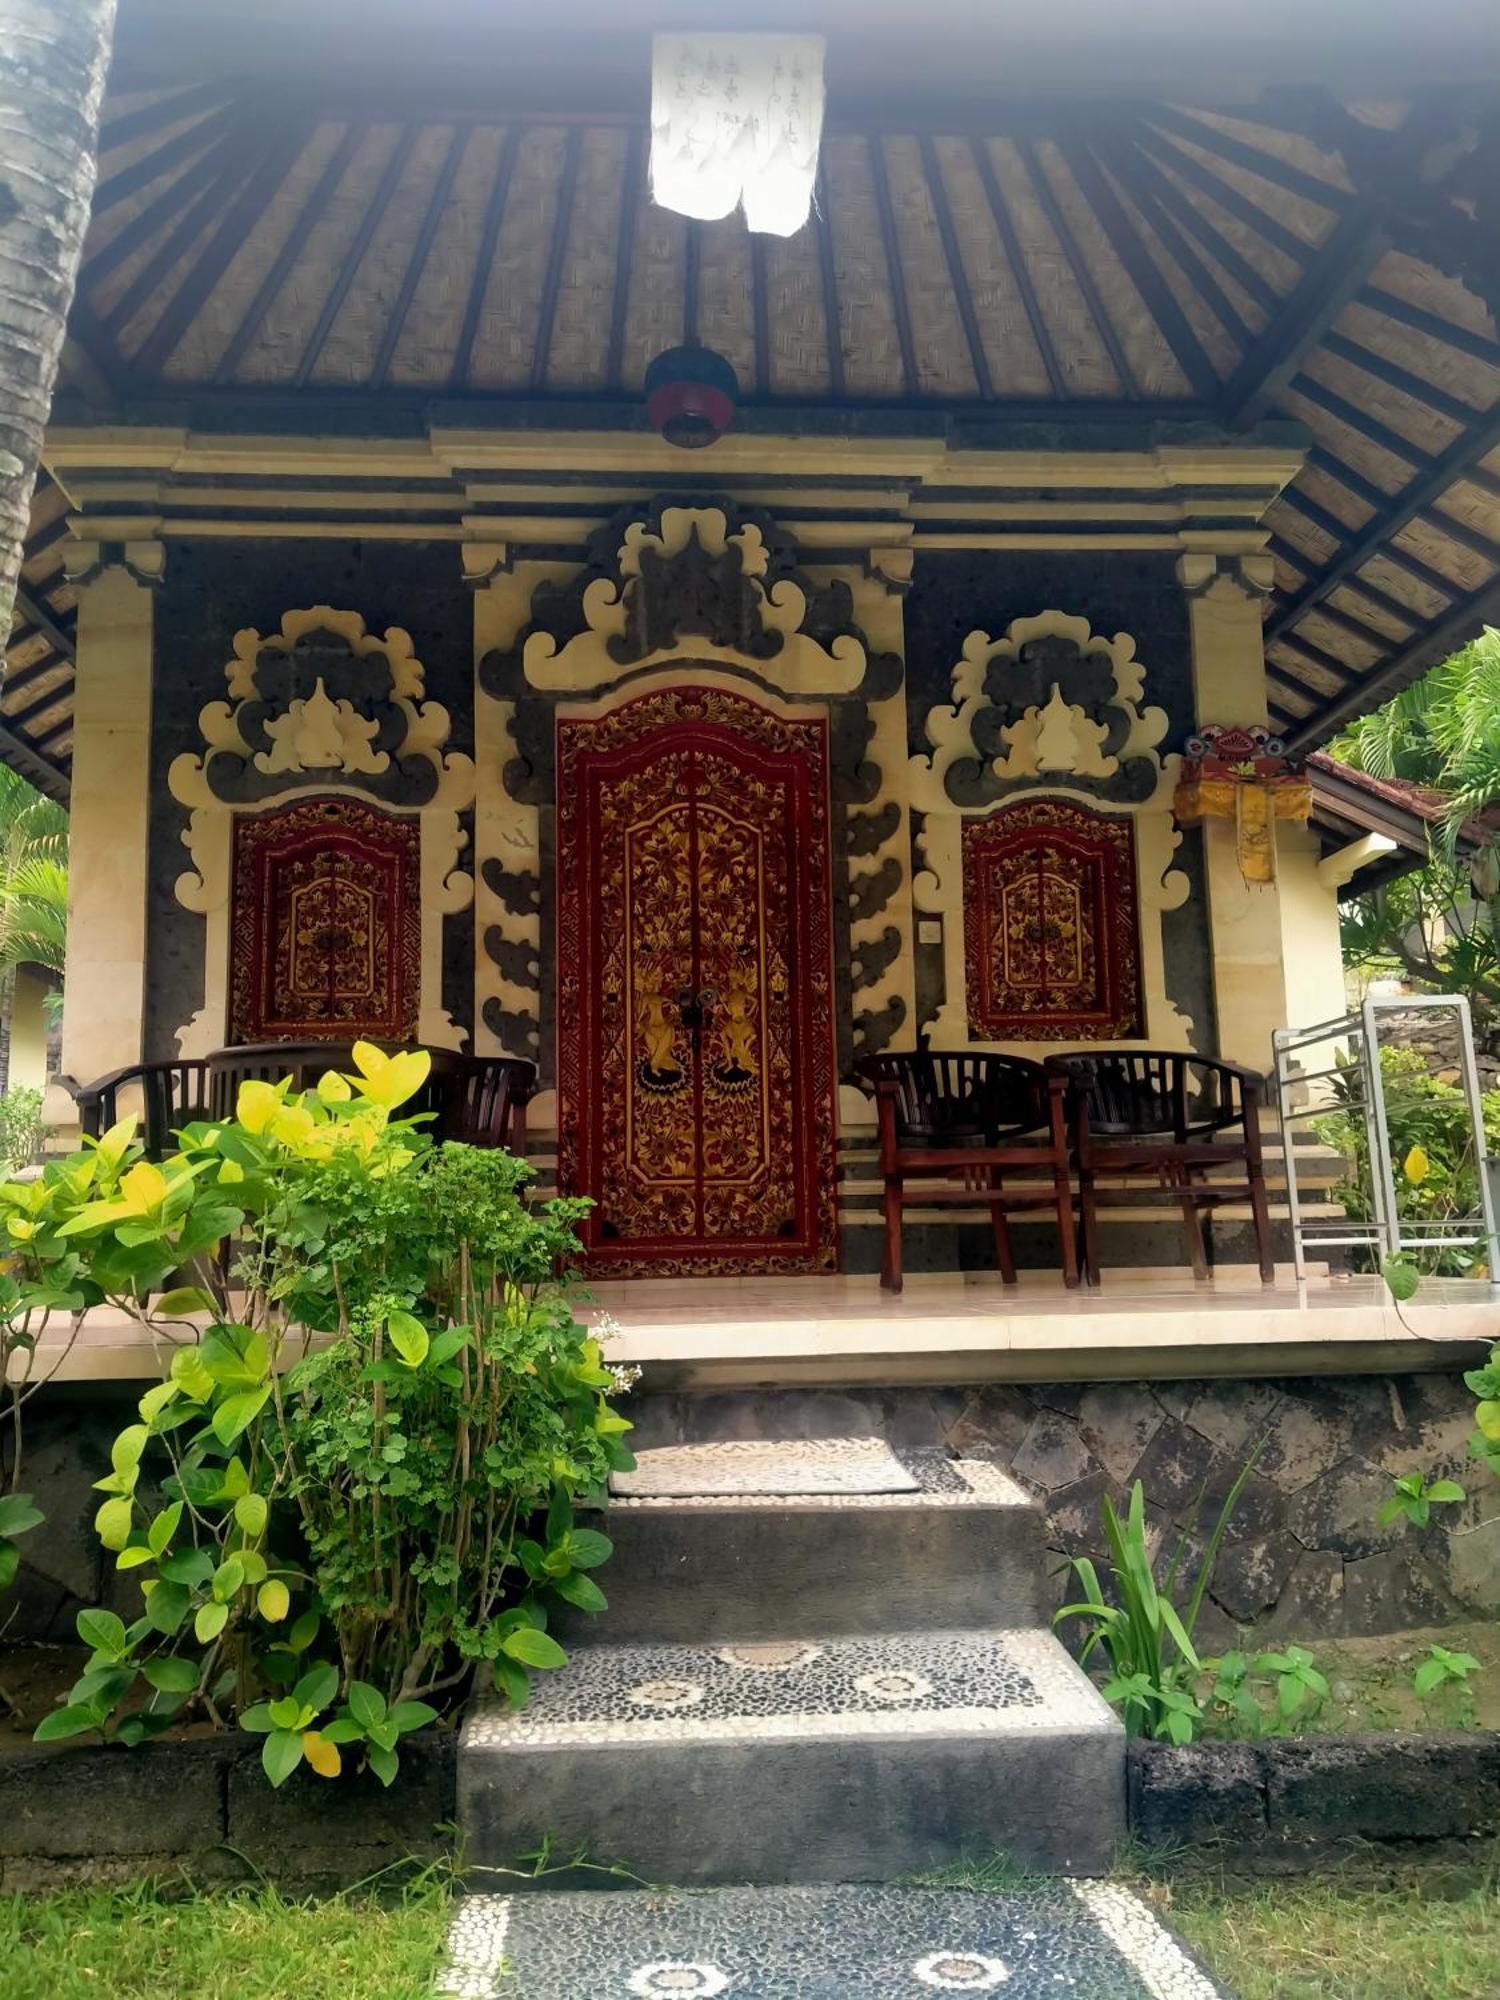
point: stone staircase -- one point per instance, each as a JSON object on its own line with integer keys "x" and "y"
{"x": 824, "y": 1671}
{"x": 823, "y": 1662}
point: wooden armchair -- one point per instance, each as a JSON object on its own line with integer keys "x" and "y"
{"x": 957, "y": 1126}
{"x": 480, "y": 1100}
{"x": 1168, "y": 1117}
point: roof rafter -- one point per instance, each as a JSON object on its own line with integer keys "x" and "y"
{"x": 1357, "y": 245}
{"x": 1420, "y": 493}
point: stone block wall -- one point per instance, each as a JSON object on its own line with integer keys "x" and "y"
{"x": 1304, "y": 1553}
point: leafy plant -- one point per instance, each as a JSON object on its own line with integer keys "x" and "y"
{"x": 1300, "y": 1689}
{"x": 357, "y": 1479}
{"x": 1484, "y": 1441}
{"x": 18, "y": 1513}
{"x": 21, "y": 1128}
{"x": 1415, "y": 1497}
{"x": 1443, "y": 1668}
{"x": 1146, "y": 1639}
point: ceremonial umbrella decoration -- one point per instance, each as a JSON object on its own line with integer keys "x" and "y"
{"x": 736, "y": 120}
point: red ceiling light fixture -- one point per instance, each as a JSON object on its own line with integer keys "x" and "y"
{"x": 691, "y": 393}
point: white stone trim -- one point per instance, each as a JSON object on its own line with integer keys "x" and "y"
{"x": 1150, "y": 1951}
{"x": 476, "y": 1949}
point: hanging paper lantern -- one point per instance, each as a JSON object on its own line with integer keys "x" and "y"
{"x": 691, "y": 394}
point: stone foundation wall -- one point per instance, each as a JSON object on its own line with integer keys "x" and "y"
{"x": 1304, "y": 1553}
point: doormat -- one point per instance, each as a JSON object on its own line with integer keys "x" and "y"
{"x": 765, "y": 1466}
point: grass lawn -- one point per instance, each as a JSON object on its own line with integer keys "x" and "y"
{"x": 232, "y": 1944}
{"x": 1332, "y": 1938}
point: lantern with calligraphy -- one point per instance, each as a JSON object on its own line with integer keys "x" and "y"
{"x": 1243, "y": 774}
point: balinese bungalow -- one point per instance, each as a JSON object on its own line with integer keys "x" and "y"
{"x": 1124, "y": 419}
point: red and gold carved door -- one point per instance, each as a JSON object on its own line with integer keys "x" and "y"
{"x": 326, "y": 931}
{"x": 695, "y": 1032}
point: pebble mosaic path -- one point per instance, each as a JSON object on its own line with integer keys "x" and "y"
{"x": 1059, "y": 1940}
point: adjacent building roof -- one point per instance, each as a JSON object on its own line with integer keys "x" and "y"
{"x": 1348, "y": 804}
{"x": 1038, "y": 274}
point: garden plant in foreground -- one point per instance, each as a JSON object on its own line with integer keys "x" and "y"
{"x": 356, "y": 1481}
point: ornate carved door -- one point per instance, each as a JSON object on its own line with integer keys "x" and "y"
{"x": 326, "y": 932}
{"x": 695, "y": 1033}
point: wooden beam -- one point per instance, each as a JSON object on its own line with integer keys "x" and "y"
{"x": 228, "y": 239}
{"x": 832, "y": 323}
{"x": 1325, "y": 288}
{"x": 1126, "y": 164}
{"x": 1229, "y": 198}
{"x": 416, "y": 263}
{"x": 963, "y": 298}
{"x": 1010, "y": 242}
{"x": 1193, "y": 222}
{"x": 894, "y": 274}
{"x": 41, "y": 771}
{"x": 1279, "y": 173}
{"x": 1083, "y": 277}
{"x": 290, "y": 251}
{"x": 1143, "y": 271}
{"x": 1416, "y": 386}
{"x": 1462, "y": 339}
{"x": 40, "y": 617}
{"x": 557, "y": 251}
{"x": 1463, "y": 623}
{"x": 494, "y": 215}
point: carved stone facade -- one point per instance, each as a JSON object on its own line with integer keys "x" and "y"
{"x": 1050, "y": 711}
{"x": 321, "y": 708}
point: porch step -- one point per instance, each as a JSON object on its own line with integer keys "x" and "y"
{"x": 941, "y": 1544}
{"x": 803, "y": 1760}
{"x": 1081, "y": 1940}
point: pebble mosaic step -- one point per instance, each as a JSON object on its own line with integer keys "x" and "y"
{"x": 847, "y": 1759}
{"x": 1066, "y": 1940}
{"x": 813, "y": 1537}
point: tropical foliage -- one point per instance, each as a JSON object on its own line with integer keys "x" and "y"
{"x": 1136, "y": 1622}
{"x": 33, "y": 891}
{"x": 1432, "y": 1154}
{"x": 1438, "y": 926}
{"x": 357, "y": 1480}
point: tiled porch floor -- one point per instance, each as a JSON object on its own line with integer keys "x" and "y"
{"x": 729, "y": 1332}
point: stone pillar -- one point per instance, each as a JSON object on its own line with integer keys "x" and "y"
{"x": 1229, "y": 687}
{"x": 108, "y": 851}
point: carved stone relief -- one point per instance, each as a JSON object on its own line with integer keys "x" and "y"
{"x": 1049, "y": 707}
{"x": 322, "y": 705}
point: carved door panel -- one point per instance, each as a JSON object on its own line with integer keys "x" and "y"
{"x": 695, "y": 1040}
{"x": 325, "y": 936}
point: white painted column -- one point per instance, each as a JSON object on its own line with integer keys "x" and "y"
{"x": 1229, "y": 687}
{"x": 109, "y": 860}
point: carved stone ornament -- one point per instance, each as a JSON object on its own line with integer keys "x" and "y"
{"x": 1051, "y": 703}
{"x": 709, "y": 582}
{"x": 1051, "y": 708}
{"x": 323, "y": 699}
{"x": 321, "y": 706}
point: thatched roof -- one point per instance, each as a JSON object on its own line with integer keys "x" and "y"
{"x": 1335, "y": 266}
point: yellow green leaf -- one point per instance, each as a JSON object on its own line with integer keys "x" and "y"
{"x": 144, "y": 1187}
{"x": 1487, "y": 1416}
{"x": 333, "y": 1088}
{"x": 112, "y": 1523}
{"x": 273, "y": 1600}
{"x": 292, "y": 1126}
{"x": 1416, "y": 1164}
{"x": 250, "y": 1514}
{"x": 257, "y": 1104}
{"x": 321, "y": 1754}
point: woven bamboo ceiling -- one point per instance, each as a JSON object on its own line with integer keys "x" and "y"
{"x": 1307, "y": 260}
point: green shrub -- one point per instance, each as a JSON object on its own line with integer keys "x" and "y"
{"x": 21, "y": 1128}
{"x": 357, "y": 1479}
{"x": 1432, "y": 1155}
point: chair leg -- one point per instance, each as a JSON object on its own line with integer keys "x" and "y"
{"x": 1192, "y": 1226}
{"x": 1089, "y": 1208}
{"x": 1260, "y": 1209}
{"x": 1004, "y": 1255}
{"x": 1066, "y": 1236}
{"x": 890, "y": 1265}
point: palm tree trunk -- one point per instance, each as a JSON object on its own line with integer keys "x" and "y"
{"x": 53, "y": 56}
{"x": 7, "y": 1017}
